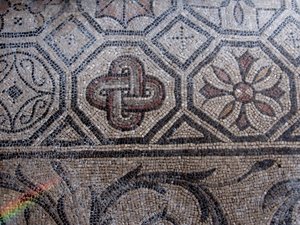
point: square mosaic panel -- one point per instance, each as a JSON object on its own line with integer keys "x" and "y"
{"x": 172, "y": 112}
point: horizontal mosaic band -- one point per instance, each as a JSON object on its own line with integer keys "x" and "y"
{"x": 140, "y": 190}
{"x": 150, "y": 151}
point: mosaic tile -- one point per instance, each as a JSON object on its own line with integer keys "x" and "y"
{"x": 130, "y": 112}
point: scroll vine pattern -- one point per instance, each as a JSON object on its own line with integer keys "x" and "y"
{"x": 285, "y": 195}
{"x": 209, "y": 207}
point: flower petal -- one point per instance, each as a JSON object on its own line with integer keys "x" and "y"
{"x": 242, "y": 121}
{"x": 265, "y": 108}
{"x": 222, "y": 75}
{"x": 227, "y": 110}
{"x": 210, "y": 91}
{"x": 238, "y": 13}
{"x": 245, "y": 62}
{"x": 262, "y": 74}
{"x": 274, "y": 92}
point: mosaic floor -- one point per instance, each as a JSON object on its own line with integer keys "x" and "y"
{"x": 139, "y": 112}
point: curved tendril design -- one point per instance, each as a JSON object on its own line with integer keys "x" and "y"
{"x": 286, "y": 194}
{"x": 6, "y": 116}
{"x": 209, "y": 207}
{"x": 3, "y": 119}
{"x": 161, "y": 216}
{"x": 19, "y": 182}
{"x": 39, "y": 104}
{"x": 32, "y": 80}
{"x": 256, "y": 167}
{"x": 3, "y": 68}
{"x": 37, "y": 81}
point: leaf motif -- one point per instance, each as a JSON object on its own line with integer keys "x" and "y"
{"x": 279, "y": 191}
{"x": 209, "y": 91}
{"x": 257, "y": 167}
{"x": 222, "y": 75}
{"x": 275, "y": 92}
{"x": 265, "y": 108}
{"x": 131, "y": 174}
{"x": 245, "y": 62}
{"x": 225, "y": 3}
{"x": 242, "y": 121}
{"x": 284, "y": 214}
{"x": 262, "y": 74}
{"x": 227, "y": 110}
{"x": 22, "y": 184}
{"x": 262, "y": 165}
{"x": 284, "y": 194}
{"x": 238, "y": 13}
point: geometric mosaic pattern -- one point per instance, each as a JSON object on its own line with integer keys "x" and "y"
{"x": 189, "y": 41}
{"x": 236, "y": 17}
{"x": 247, "y": 101}
{"x": 61, "y": 37}
{"x": 150, "y": 112}
{"x": 286, "y": 39}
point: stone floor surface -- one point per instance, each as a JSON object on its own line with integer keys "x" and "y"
{"x": 139, "y": 112}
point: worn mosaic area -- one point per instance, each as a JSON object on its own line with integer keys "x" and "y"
{"x": 171, "y": 112}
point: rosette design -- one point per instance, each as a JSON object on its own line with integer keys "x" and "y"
{"x": 250, "y": 90}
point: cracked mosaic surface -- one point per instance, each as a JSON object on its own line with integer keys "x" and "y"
{"x": 177, "y": 112}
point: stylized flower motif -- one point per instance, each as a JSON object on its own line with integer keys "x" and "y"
{"x": 124, "y": 11}
{"x": 245, "y": 92}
